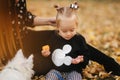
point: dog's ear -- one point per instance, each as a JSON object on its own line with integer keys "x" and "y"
{"x": 18, "y": 58}
{"x": 19, "y": 55}
{"x": 30, "y": 58}
{"x": 29, "y": 61}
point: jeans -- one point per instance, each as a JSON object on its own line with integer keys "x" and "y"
{"x": 56, "y": 75}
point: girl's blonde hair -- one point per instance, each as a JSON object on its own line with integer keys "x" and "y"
{"x": 66, "y": 12}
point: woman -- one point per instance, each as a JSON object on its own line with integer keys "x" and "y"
{"x": 13, "y": 29}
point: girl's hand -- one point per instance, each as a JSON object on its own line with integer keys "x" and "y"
{"x": 77, "y": 60}
{"x": 45, "y": 51}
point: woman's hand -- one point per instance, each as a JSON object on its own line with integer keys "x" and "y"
{"x": 52, "y": 21}
{"x": 78, "y": 59}
{"x": 39, "y": 21}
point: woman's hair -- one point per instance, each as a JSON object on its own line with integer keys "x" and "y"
{"x": 7, "y": 43}
{"x": 66, "y": 12}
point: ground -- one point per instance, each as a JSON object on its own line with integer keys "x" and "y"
{"x": 99, "y": 23}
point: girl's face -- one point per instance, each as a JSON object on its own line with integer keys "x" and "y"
{"x": 67, "y": 28}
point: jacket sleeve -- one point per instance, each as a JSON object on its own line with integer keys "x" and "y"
{"x": 85, "y": 51}
{"x": 109, "y": 63}
{"x": 29, "y": 21}
{"x": 24, "y": 16}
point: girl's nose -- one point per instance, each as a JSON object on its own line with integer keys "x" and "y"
{"x": 68, "y": 33}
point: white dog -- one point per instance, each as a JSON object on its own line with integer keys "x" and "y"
{"x": 19, "y": 68}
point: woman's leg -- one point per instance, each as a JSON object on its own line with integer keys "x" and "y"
{"x": 54, "y": 75}
{"x": 74, "y": 76}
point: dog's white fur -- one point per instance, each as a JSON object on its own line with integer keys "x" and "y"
{"x": 19, "y": 68}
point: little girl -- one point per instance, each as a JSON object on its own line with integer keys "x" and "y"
{"x": 69, "y": 51}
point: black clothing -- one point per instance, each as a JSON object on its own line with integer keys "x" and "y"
{"x": 109, "y": 63}
{"x": 20, "y": 19}
{"x": 42, "y": 65}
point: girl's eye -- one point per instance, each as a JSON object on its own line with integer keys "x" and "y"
{"x": 64, "y": 31}
{"x": 71, "y": 30}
